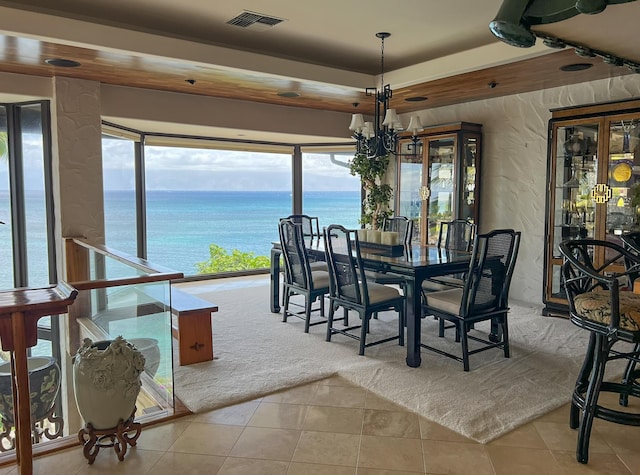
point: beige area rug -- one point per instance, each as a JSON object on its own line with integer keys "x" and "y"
{"x": 256, "y": 354}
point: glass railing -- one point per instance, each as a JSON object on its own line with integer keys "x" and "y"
{"x": 118, "y": 295}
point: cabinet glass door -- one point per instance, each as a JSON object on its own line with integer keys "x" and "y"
{"x": 441, "y": 176}
{"x": 576, "y": 172}
{"x": 468, "y": 171}
{"x": 410, "y": 195}
{"x": 623, "y": 178}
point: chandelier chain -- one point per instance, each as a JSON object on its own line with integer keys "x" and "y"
{"x": 382, "y": 64}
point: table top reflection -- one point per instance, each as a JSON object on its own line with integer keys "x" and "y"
{"x": 414, "y": 256}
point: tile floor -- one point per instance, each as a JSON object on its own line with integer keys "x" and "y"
{"x": 333, "y": 427}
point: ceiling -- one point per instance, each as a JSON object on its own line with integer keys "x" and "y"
{"x": 323, "y": 53}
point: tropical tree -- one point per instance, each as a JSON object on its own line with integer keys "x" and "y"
{"x": 4, "y": 145}
{"x": 221, "y": 261}
{"x": 375, "y": 206}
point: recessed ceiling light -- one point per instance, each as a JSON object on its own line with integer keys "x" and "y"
{"x": 289, "y": 94}
{"x": 576, "y": 67}
{"x": 416, "y": 99}
{"x": 62, "y": 63}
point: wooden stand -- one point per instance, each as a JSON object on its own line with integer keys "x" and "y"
{"x": 20, "y": 310}
{"x": 192, "y": 327}
{"x": 117, "y": 437}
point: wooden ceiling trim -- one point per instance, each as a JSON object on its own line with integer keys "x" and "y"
{"x": 26, "y": 56}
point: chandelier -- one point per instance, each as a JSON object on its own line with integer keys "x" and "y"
{"x": 380, "y": 137}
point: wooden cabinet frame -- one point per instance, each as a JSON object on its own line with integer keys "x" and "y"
{"x": 595, "y": 125}
{"x": 415, "y": 189}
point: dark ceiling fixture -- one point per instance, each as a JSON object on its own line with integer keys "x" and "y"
{"x": 62, "y": 63}
{"x": 380, "y": 137}
{"x": 513, "y": 24}
{"x": 190, "y": 81}
{"x": 492, "y": 85}
{"x": 416, "y": 99}
{"x": 289, "y": 94}
{"x": 586, "y": 52}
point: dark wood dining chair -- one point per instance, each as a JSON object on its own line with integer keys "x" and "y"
{"x": 310, "y": 224}
{"x": 484, "y": 295}
{"x": 401, "y": 225}
{"x": 611, "y": 315}
{"x": 299, "y": 277}
{"x": 350, "y": 289}
{"x": 456, "y": 235}
{"x": 404, "y": 227}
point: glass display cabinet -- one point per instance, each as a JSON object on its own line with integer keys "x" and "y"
{"x": 438, "y": 178}
{"x": 593, "y": 178}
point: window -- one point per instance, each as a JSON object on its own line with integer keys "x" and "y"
{"x": 28, "y": 252}
{"x": 330, "y": 192}
{"x": 118, "y": 169}
{"x": 181, "y": 198}
{"x": 196, "y": 197}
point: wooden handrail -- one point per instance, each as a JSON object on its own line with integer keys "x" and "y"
{"x": 132, "y": 261}
{"x": 144, "y": 279}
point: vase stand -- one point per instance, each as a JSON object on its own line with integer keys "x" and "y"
{"x": 40, "y": 429}
{"x": 117, "y": 437}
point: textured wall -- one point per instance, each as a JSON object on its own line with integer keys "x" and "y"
{"x": 514, "y": 163}
{"x": 77, "y": 158}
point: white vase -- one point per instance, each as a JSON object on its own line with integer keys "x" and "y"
{"x": 106, "y": 381}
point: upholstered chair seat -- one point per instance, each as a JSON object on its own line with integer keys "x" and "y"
{"x": 596, "y": 306}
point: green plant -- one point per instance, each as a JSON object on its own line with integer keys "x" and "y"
{"x": 375, "y": 206}
{"x": 4, "y": 145}
{"x": 221, "y": 261}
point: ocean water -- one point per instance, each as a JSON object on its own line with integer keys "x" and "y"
{"x": 182, "y": 224}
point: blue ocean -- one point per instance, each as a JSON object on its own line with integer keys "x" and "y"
{"x": 182, "y": 224}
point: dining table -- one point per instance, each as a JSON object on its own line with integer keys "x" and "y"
{"x": 416, "y": 263}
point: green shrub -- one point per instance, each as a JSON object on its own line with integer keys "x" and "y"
{"x": 221, "y": 261}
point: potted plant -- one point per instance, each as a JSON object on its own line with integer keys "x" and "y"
{"x": 375, "y": 206}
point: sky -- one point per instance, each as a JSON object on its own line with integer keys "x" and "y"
{"x": 172, "y": 168}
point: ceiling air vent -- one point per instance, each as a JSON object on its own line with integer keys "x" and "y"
{"x": 253, "y": 20}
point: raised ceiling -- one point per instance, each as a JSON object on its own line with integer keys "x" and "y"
{"x": 325, "y": 53}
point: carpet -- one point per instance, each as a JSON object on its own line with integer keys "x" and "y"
{"x": 256, "y": 354}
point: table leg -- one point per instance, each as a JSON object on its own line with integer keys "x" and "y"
{"x": 22, "y": 406}
{"x": 414, "y": 312}
{"x": 275, "y": 280}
